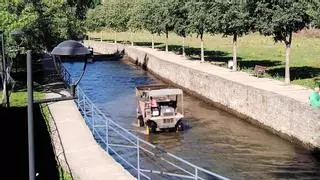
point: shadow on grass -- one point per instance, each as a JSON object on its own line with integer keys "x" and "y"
{"x": 15, "y": 145}
{"x": 296, "y": 73}
{"x": 194, "y": 53}
{"x": 250, "y": 64}
{"x": 38, "y": 78}
{"x": 146, "y": 44}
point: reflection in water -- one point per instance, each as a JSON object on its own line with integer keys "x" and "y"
{"x": 215, "y": 140}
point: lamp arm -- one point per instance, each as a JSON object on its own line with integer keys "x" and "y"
{"x": 82, "y": 73}
{"x": 55, "y": 64}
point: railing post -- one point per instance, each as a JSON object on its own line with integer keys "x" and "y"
{"x": 138, "y": 158}
{"x": 84, "y": 105}
{"x": 92, "y": 118}
{"x": 196, "y": 173}
{"x": 65, "y": 78}
{"x": 107, "y": 135}
{"x": 78, "y": 97}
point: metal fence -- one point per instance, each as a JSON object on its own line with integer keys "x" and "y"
{"x": 141, "y": 158}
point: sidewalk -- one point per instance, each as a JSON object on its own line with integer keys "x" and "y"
{"x": 87, "y": 160}
{"x": 296, "y": 92}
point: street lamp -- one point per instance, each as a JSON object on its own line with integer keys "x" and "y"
{"x": 18, "y": 35}
{"x": 66, "y": 48}
{"x": 72, "y": 48}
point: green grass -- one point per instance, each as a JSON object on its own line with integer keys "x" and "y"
{"x": 19, "y": 99}
{"x": 253, "y": 49}
{"x": 64, "y": 175}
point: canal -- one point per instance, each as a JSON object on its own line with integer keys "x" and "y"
{"x": 214, "y": 139}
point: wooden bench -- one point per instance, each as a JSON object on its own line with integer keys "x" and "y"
{"x": 259, "y": 70}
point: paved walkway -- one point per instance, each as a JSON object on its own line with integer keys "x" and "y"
{"x": 87, "y": 160}
{"x": 296, "y": 92}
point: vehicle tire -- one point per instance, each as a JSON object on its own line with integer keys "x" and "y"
{"x": 140, "y": 121}
{"x": 153, "y": 127}
{"x": 179, "y": 126}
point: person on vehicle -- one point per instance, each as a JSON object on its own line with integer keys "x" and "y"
{"x": 153, "y": 103}
{"x": 315, "y": 97}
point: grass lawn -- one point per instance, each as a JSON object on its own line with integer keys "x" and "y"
{"x": 19, "y": 99}
{"x": 253, "y": 49}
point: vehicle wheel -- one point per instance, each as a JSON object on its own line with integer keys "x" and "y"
{"x": 153, "y": 127}
{"x": 140, "y": 121}
{"x": 180, "y": 126}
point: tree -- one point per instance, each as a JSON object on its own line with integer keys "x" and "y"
{"x": 136, "y": 17}
{"x": 181, "y": 25}
{"x": 157, "y": 17}
{"x": 116, "y": 14}
{"x": 81, "y": 7}
{"x": 232, "y": 18}
{"x": 150, "y": 18}
{"x": 94, "y": 22}
{"x": 198, "y": 18}
{"x": 281, "y": 19}
{"x": 314, "y": 12}
{"x": 166, "y": 16}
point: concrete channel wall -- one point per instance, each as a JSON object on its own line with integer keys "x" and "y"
{"x": 288, "y": 117}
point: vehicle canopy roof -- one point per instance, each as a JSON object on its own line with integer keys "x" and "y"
{"x": 165, "y": 92}
{"x": 151, "y": 87}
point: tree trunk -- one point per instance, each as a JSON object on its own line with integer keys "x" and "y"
{"x": 131, "y": 34}
{"x": 167, "y": 35}
{"x": 234, "y": 55}
{"x": 202, "y": 48}
{"x": 152, "y": 43}
{"x": 183, "y": 49}
{"x": 287, "y": 68}
{"x": 100, "y": 36}
{"x": 115, "y": 37}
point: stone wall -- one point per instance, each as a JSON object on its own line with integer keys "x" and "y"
{"x": 285, "y": 116}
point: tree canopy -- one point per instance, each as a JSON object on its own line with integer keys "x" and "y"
{"x": 281, "y": 18}
{"x": 45, "y": 22}
{"x": 314, "y": 12}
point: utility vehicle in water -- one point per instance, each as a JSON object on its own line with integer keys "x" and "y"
{"x": 159, "y": 107}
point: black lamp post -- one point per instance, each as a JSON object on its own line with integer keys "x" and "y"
{"x": 66, "y": 48}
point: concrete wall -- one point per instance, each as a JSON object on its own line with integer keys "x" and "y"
{"x": 285, "y": 116}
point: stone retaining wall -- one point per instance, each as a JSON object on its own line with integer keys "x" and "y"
{"x": 287, "y": 117}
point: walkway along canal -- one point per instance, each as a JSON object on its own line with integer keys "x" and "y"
{"x": 215, "y": 140}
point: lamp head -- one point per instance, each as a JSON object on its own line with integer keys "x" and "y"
{"x": 17, "y": 33}
{"x": 70, "y": 48}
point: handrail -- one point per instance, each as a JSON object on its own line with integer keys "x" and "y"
{"x": 125, "y": 140}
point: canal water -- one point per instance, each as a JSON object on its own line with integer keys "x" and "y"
{"x": 214, "y": 139}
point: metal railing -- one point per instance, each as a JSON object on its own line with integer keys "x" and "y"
{"x": 143, "y": 159}
{"x": 65, "y": 75}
